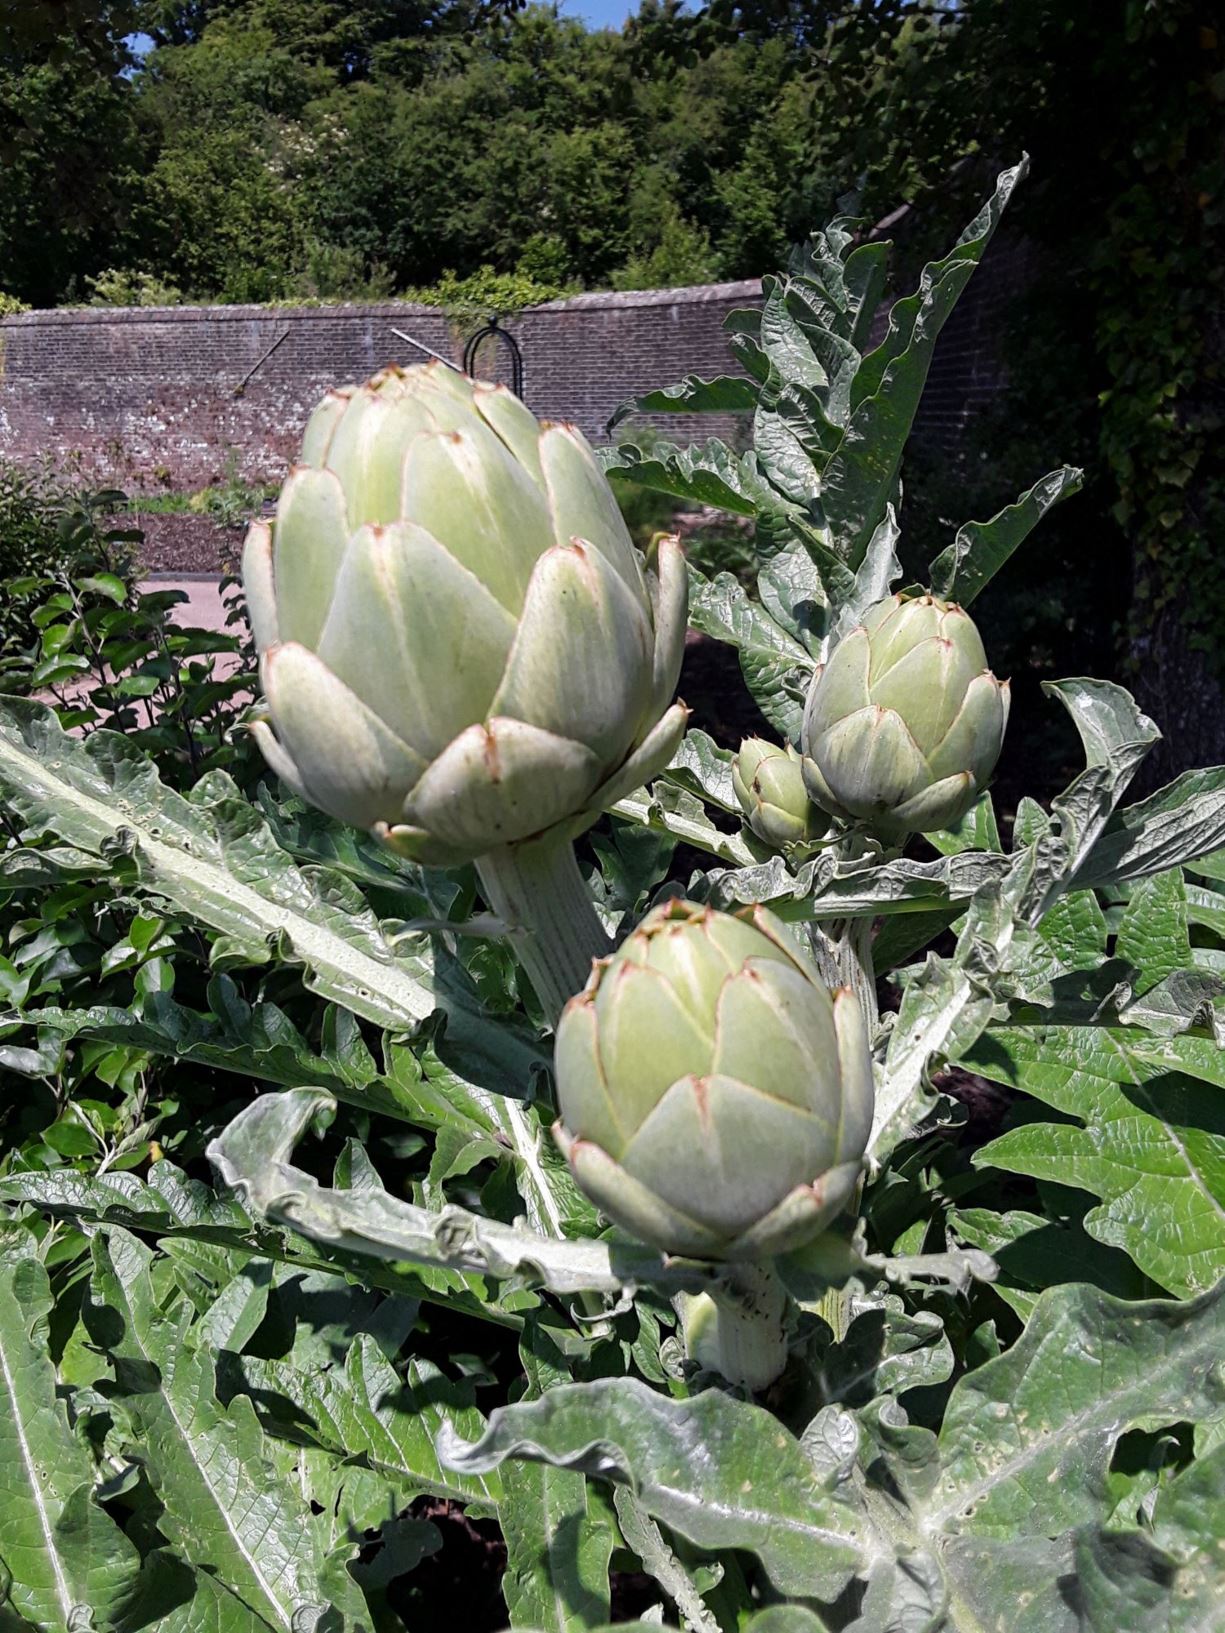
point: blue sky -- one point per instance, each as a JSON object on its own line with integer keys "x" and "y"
{"x": 595, "y": 13}
{"x": 600, "y": 13}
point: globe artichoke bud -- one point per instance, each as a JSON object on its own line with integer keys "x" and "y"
{"x": 715, "y": 1097}
{"x": 460, "y": 647}
{"x": 769, "y": 783}
{"x": 903, "y": 725}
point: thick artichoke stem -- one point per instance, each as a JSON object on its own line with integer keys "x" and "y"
{"x": 861, "y": 969}
{"x": 538, "y": 891}
{"x": 842, "y": 949}
{"x": 842, "y": 952}
{"x": 741, "y": 1330}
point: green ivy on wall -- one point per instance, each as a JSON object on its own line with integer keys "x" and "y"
{"x": 1159, "y": 278}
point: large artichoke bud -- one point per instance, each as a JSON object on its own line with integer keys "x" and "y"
{"x": 715, "y": 1097}
{"x": 460, "y": 647}
{"x": 903, "y": 725}
{"x": 769, "y": 783}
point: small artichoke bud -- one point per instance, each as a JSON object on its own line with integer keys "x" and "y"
{"x": 716, "y": 1098}
{"x": 460, "y": 647}
{"x": 769, "y": 783}
{"x": 904, "y": 724}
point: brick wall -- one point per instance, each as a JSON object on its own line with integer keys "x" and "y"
{"x": 154, "y": 399}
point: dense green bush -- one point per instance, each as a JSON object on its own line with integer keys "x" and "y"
{"x": 471, "y": 302}
{"x": 128, "y": 287}
{"x": 36, "y": 511}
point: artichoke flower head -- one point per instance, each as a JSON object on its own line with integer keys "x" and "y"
{"x": 768, "y": 781}
{"x": 904, "y": 724}
{"x": 715, "y": 1097}
{"x": 460, "y": 647}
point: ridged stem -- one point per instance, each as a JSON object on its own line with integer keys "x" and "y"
{"x": 539, "y": 893}
{"x": 740, "y": 1331}
{"x": 842, "y": 952}
{"x": 843, "y": 948}
{"x": 844, "y": 957}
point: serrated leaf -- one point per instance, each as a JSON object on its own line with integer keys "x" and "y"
{"x": 1152, "y": 934}
{"x": 975, "y": 1528}
{"x": 864, "y": 277}
{"x": 1188, "y": 1524}
{"x": 1070, "y": 936}
{"x": 702, "y": 766}
{"x": 223, "y": 1504}
{"x": 217, "y": 861}
{"x": 1033, "y": 1252}
{"x": 1205, "y": 907}
{"x": 669, "y": 809}
{"x": 1020, "y": 1469}
{"x": 364, "y": 1410}
{"x": 1183, "y": 822}
{"x": 859, "y": 479}
{"x": 173, "y": 1207}
{"x": 258, "y": 1041}
{"x": 776, "y": 667}
{"x": 1115, "y": 736}
{"x": 721, "y": 1472}
{"x": 252, "y": 1156}
{"x": 886, "y": 1350}
{"x": 786, "y": 344}
{"x": 1027, "y": 1438}
{"x": 778, "y": 441}
{"x": 66, "y": 1558}
{"x": 943, "y": 1010}
{"x": 980, "y": 549}
{"x": 825, "y": 887}
{"x": 726, "y": 394}
{"x": 874, "y": 576}
{"x": 176, "y": 1599}
{"x": 559, "y": 1540}
{"x": 1150, "y": 1144}
{"x": 644, "y": 1537}
{"x": 709, "y": 475}
{"x": 792, "y": 592}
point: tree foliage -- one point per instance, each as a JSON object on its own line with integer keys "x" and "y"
{"x": 259, "y": 141}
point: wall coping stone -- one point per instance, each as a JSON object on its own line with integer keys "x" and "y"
{"x": 592, "y": 300}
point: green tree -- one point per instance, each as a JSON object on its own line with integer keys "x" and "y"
{"x": 73, "y": 153}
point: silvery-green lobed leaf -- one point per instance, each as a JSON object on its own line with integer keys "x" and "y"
{"x": 221, "y": 1503}
{"x": 980, "y": 1526}
{"x": 559, "y": 1540}
{"x": 252, "y": 1156}
{"x": 214, "y": 857}
{"x": 65, "y": 1556}
{"x": 962, "y": 571}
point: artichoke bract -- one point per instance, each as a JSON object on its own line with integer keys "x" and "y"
{"x": 904, "y": 724}
{"x": 715, "y": 1097}
{"x": 769, "y": 783}
{"x": 460, "y": 647}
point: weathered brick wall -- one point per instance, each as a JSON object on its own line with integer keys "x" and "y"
{"x": 154, "y": 399}
{"x": 151, "y": 399}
